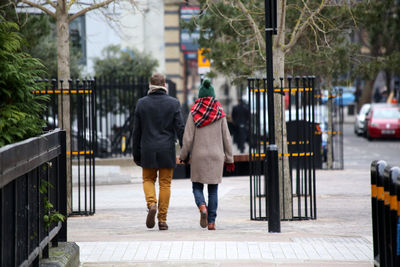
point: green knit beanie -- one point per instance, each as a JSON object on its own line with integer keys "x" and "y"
{"x": 206, "y": 89}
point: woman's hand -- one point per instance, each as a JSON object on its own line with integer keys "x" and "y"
{"x": 230, "y": 167}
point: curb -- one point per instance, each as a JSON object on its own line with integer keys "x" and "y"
{"x": 65, "y": 255}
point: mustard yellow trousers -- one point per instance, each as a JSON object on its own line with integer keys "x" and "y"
{"x": 164, "y": 181}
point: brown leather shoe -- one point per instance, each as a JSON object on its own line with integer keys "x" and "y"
{"x": 203, "y": 216}
{"x": 211, "y": 226}
{"x": 162, "y": 226}
{"x": 150, "y": 220}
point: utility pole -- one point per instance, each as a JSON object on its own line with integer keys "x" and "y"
{"x": 274, "y": 220}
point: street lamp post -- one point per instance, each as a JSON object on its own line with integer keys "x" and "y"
{"x": 274, "y": 221}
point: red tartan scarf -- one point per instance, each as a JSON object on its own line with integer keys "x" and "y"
{"x": 206, "y": 110}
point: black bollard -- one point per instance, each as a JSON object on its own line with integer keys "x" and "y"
{"x": 377, "y": 169}
{"x": 374, "y": 194}
{"x": 387, "y": 219}
{"x": 395, "y": 215}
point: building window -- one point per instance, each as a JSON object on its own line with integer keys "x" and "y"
{"x": 77, "y": 33}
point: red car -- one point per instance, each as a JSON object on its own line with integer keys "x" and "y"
{"x": 383, "y": 121}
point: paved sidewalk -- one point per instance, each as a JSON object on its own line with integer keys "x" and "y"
{"x": 117, "y": 236}
{"x": 298, "y": 249}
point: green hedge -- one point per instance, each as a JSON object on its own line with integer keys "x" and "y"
{"x": 20, "y": 110}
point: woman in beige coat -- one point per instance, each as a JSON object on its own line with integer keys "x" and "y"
{"x": 207, "y": 145}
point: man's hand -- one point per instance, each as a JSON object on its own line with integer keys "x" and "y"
{"x": 137, "y": 161}
{"x": 183, "y": 161}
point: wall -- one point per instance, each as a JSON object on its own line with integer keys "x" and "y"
{"x": 140, "y": 26}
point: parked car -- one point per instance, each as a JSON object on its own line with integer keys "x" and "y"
{"x": 78, "y": 141}
{"x": 383, "y": 121}
{"x": 359, "y": 124}
{"x": 345, "y": 99}
{"x": 103, "y": 143}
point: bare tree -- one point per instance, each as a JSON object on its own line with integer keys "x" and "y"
{"x": 61, "y": 11}
{"x": 245, "y": 22}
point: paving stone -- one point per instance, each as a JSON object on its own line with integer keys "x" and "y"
{"x": 340, "y": 236}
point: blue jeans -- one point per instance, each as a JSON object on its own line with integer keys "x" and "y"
{"x": 212, "y": 199}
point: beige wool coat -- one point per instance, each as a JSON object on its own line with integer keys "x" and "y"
{"x": 207, "y": 148}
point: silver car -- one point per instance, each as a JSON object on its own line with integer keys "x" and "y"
{"x": 359, "y": 124}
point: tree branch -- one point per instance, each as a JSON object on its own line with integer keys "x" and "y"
{"x": 89, "y": 8}
{"x": 300, "y": 29}
{"x": 260, "y": 39}
{"x": 296, "y": 27}
{"x": 51, "y": 3}
{"x": 281, "y": 26}
{"x": 212, "y": 6}
{"x": 70, "y": 4}
{"x": 45, "y": 10}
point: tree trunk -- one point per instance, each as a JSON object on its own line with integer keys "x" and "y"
{"x": 63, "y": 72}
{"x": 388, "y": 76}
{"x": 366, "y": 94}
{"x": 285, "y": 185}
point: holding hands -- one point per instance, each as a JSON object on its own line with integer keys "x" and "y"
{"x": 186, "y": 161}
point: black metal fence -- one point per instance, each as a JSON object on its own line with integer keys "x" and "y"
{"x": 101, "y": 118}
{"x": 86, "y": 141}
{"x": 302, "y": 142}
{"x": 385, "y": 204}
{"x": 115, "y": 106}
{"x": 32, "y": 178}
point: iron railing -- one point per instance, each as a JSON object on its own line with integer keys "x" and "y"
{"x": 101, "y": 118}
{"x": 105, "y": 105}
{"x": 115, "y": 105}
{"x": 86, "y": 141}
{"x": 32, "y": 175}
{"x": 299, "y": 117}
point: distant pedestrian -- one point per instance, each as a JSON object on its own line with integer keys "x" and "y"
{"x": 240, "y": 118}
{"x": 207, "y": 145}
{"x": 157, "y": 123}
{"x": 357, "y": 96}
{"x": 377, "y": 95}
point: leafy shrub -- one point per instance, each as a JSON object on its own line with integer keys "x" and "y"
{"x": 117, "y": 63}
{"x": 20, "y": 110}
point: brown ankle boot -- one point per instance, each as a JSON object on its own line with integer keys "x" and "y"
{"x": 203, "y": 216}
{"x": 162, "y": 226}
{"x": 150, "y": 220}
{"x": 211, "y": 226}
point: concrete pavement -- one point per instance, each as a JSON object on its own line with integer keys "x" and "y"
{"x": 340, "y": 236}
{"x": 117, "y": 236}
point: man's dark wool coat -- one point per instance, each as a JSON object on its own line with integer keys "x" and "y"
{"x": 158, "y": 122}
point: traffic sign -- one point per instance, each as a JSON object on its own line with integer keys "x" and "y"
{"x": 202, "y": 62}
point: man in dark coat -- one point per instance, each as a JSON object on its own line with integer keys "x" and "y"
{"x": 158, "y": 121}
{"x": 240, "y": 118}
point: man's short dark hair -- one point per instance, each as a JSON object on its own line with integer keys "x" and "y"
{"x": 157, "y": 79}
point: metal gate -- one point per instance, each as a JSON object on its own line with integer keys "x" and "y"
{"x": 84, "y": 137}
{"x": 101, "y": 117}
{"x": 299, "y": 117}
